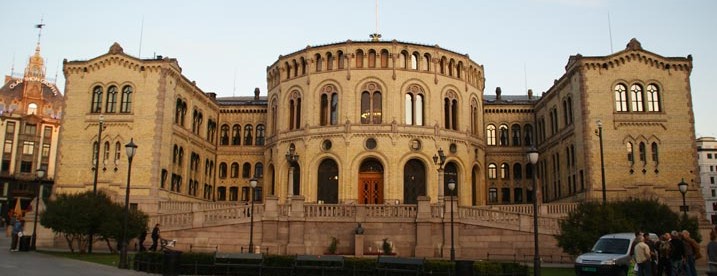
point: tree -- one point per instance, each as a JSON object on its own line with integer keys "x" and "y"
{"x": 74, "y": 215}
{"x": 591, "y": 220}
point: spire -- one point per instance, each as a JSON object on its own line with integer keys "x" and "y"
{"x": 36, "y": 66}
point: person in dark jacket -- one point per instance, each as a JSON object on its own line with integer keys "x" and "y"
{"x": 155, "y": 238}
{"x": 141, "y": 238}
{"x": 677, "y": 253}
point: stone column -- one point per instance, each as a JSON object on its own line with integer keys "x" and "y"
{"x": 424, "y": 237}
{"x": 290, "y": 189}
{"x": 296, "y": 227}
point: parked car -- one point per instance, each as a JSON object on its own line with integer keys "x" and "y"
{"x": 610, "y": 256}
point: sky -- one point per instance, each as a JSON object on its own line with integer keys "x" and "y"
{"x": 225, "y": 46}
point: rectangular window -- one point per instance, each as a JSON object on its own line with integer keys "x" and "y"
{"x": 709, "y": 156}
{"x": 713, "y": 193}
{"x": 28, "y": 147}
{"x": 45, "y": 150}
{"x": 244, "y": 193}
{"x": 505, "y": 195}
{"x": 492, "y": 195}
{"x": 233, "y": 193}
{"x": 712, "y": 168}
{"x": 222, "y": 191}
{"x": 518, "y": 195}
{"x": 258, "y": 194}
{"x": 8, "y": 146}
{"x": 30, "y": 129}
{"x": 26, "y": 166}
{"x": 712, "y": 180}
{"x": 47, "y": 132}
{"x": 10, "y": 128}
{"x": 5, "y": 165}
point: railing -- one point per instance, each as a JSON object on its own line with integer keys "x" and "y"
{"x": 231, "y": 214}
{"x": 329, "y": 210}
{"x": 176, "y": 220}
{"x": 391, "y": 211}
{"x": 488, "y": 215}
{"x": 561, "y": 209}
{"x": 515, "y": 208}
{"x": 166, "y": 207}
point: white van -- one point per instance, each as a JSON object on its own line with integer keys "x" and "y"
{"x": 610, "y": 256}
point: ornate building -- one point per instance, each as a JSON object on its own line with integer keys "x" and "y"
{"x": 31, "y": 107}
{"x": 366, "y": 123}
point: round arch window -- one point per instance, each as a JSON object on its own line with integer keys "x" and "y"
{"x": 371, "y": 143}
{"x": 326, "y": 145}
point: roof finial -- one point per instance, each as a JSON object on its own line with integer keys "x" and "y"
{"x": 376, "y": 36}
{"x": 39, "y": 34}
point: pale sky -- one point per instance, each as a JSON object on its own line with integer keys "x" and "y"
{"x": 225, "y": 46}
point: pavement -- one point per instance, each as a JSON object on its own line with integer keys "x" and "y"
{"x": 34, "y": 263}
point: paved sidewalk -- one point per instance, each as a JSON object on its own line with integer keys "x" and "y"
{"x": 33, "y": 263}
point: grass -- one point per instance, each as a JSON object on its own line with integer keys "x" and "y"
{"x": 98, "y": 258}
{"x": 556, "y": 271}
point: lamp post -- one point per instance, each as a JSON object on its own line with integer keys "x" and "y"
{"x": 452, "y": 187}
{"x": 131, "y": 148}
{"x": 292, "y": 158}
{"x": 252, "y": 183}
{"x": 533, "y": 159}
{"x": 683, "y": 190}
{"x": 40, "y": 175}
{"x": 97, "y": 170}
{"x": 598, "y": 132}
{"x": 440, "y": 160}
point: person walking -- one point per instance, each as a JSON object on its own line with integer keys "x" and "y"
{"x": 692, "y": 253}
{"x": 712, "y": 253}
{"x": 643, "y": 258}
{"x": 677, "y": 253}
{"x": 16, "y": 234}
{"x": 155, "y": 238}
{"x": 141, "y": 238}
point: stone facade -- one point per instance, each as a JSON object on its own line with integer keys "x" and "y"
{"x": 379, "y": 124}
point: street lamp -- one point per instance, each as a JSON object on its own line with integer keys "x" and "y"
{"x": 40, "y": 175}
{"x": 598, "y": 132}
{"x": 452, "y": 187}
{"x": 131, "y": 148}
{"x": 293, "y": 159}
{"x": 252, "y": 183}
{"x": 533, "y": 159}
{"x": 440, "y": 160}
{"x": 683, "y": 189}
{"x": 97, "y": 170}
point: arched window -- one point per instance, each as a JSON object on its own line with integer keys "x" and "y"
{"x": 414, "y": 61}
{"x": 106, "y": 154}
{"x": 236, "y": 135}
{"x": 260, "y": 133}
{"x": 426, "y": 64}
{"x": 414, "y": 181}
{"x": 371, "y": 105}
{"x": 359, "y": 58}
{"x": 655, "y": 153}
{"x": 295, "y": 111}
{"x": 372, "y": 58}
{"x": 492, "y": 171}
{"x": 384, "y": 58}
{"x": 630, "y": 154}
{"x": 442, "y": 66}
{"x": 529, "y": 135}
{"x": 515, "y": 129}
{"x": 403, "y": 60}
{"x": 450, "y": 110}
{"x": 475, "y": 117}
{"x": 246, "y": 170}
{"x": 111, "y": 99}
{"x": 259, "y": 170}
{"x": 642, "y": 152}
{"x": 222, "y": 170}
{"x": 503, "y": 135}
{"x": 490, "y": 135}
{"x": 636, "y": 98}
{"x": 248, "y": 135}
{"x": 517, "y": 171}
{"x": 126, "y": 105}
{"x": 224, "y": 135}
{"x": 341, "y": 58}
{"x": 328, "y": 182}
{"x": 96, "y": 100}
{"x": 32, "y": 108}
{"x": 414, "y": 105}
{"x": 295, "y": 68}
{"x": 504, "y": 171}
{"x": 235, "y": 170}
{"x": 329, "y": 61}
{"x": 329, "y": 105}
{"x": 118, "y": 152}
{"x": 569, "y": 111}
{"x": 653, "y": 98}
{"x": 303, "y": 66}
{"x": 620, "y": 98}
{"x": 319, "y": 62}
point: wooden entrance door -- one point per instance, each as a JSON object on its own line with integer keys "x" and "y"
{"x": 371, "y": 188}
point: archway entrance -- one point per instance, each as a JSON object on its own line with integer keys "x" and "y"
{"x": 370, "y": 182}
{"x": 328, "y": 182}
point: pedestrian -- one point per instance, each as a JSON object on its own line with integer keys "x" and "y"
{"x": 653, "y": 253}
{"x": 141, "y": 238}
{"x": 663, "y": 253}
{"x": 677, "y": 253}
{"x": 16, "y": 234}
{"x": 8, "y": 230}
{"x": 643, "y": 259}
{"x": 692, "y": 253}
{"x": 155, "y": 238}
{"x": 712, "y": 252}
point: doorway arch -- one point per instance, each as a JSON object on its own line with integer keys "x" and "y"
{"x": 414, "y": 181}
{"x": 328, "y": 183}
{"x": 370, "y": 182}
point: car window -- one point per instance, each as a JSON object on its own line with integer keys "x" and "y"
{"x": 612, "y": 246}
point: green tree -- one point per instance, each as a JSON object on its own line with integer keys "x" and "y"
{"x": 591, "y": 220}
{"x": 74, "y": 215}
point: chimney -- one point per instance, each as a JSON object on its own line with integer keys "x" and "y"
{"x": 256, "y": 94}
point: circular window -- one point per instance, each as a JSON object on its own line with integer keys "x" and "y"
{"x": 453, "y": 148}
{"x": 326, "y": 145}
{"x": 370, "y": 143}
